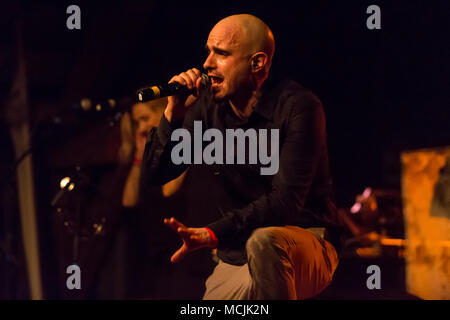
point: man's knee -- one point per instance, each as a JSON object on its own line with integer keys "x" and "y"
{"x": 262, "y": 240}
{"x": 282, "y": 241}
{"x": 269, "y": 264}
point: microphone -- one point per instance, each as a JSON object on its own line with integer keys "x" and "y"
{"x": 165, "y": 90}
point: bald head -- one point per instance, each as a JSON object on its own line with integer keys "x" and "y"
{"x": 248, "y": 32}
{"x": 240, "y": 50}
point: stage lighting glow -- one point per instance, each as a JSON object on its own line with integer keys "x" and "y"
{"x": 86, "y": 104}
{"x": 63, "y": 183}
{"x": 112, "y": 103}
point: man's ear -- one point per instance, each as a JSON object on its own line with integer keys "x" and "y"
{"x": 258, "y": 61}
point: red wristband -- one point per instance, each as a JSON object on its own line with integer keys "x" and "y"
{"x": 213, "y": 236}
{"x": 137, "y": 160}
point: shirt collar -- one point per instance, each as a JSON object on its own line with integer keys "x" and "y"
{"x": 267, "y": 101}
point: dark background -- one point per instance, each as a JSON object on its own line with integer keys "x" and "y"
{"x": 384, "y": 91}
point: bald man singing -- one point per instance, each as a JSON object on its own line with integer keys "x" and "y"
{"x": 278, "y": 237}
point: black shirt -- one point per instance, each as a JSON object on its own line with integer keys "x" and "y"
{"x": 300, "y": 193}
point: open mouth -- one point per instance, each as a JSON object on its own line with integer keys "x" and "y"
{"x": 215, "y": 80}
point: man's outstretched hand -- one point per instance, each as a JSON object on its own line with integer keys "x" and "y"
{"x": 193, "y": 238}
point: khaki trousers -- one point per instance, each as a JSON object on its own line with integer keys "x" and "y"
{"x": 287, "y": 263}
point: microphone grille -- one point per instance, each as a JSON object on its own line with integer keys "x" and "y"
{"x": 205, "y": 79}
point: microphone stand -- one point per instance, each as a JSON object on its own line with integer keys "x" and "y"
{"x": 8, "y": 179}
{"x": 80, "y": 180}
{"x": 75, "y": 185}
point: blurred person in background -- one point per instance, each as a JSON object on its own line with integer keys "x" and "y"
{"x": 135, "y": 264}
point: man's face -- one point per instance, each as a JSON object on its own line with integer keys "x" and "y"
{"x": 228, "y": 62}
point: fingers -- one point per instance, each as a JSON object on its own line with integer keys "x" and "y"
{"x": 174, "y": 224}
{"x": 191, "y": 242}
{"x": 187, "y": 234}
{"x": 170, "y": 224}
{"x": 193, "y": 239}
{"x": 199, "y": 86}
{"x": 193, "y": 75}
{"x": 184, "y": 232}
{"x": 188, "y": 78}
{"x": 179, "y": 254}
